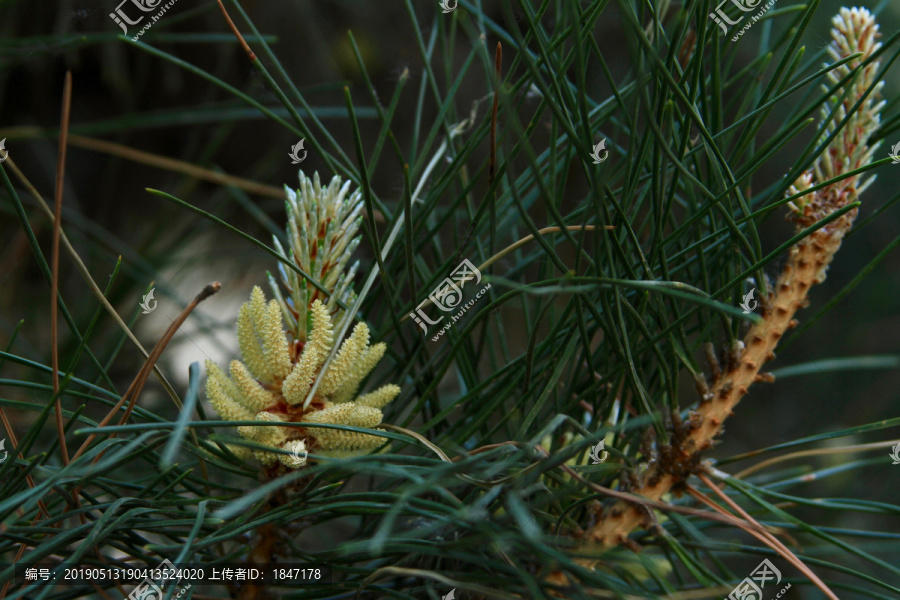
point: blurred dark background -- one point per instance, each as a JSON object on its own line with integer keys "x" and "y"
{"x": 125, "y": 95}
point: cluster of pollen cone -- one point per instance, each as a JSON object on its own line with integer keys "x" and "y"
{"x": 286, "y": 341}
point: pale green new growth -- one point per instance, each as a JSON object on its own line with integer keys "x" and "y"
{"x": 279, "y": 367}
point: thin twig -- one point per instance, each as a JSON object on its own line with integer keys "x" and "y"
{"x": 144, "y": 374}
{"x": 102, "y": 299}
{"x": 768, "y": 532}
{"x": 11, "y": 434}
{"x": 816, "y": 452}
{"x": 663, "y": 506}
{"x": 137, "y": 385}
{"x": 237, "y": 33}
{"x": 769, "y": 539}
{"x": 54, "y": 262}
{"x": 498, "y": 64}
{"x": 763, "y": 537}
{"x": 141, "y": 378}
{"x": 155, "y": 160}
{"x": 98, "y": 293}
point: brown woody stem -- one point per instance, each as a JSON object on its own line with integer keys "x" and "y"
{"x": 806, "y": 266}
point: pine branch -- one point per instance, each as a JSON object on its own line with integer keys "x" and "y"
{"x": 854, "y": 31}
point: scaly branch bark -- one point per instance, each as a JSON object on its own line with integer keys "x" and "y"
{"x": 853, "y": 113}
